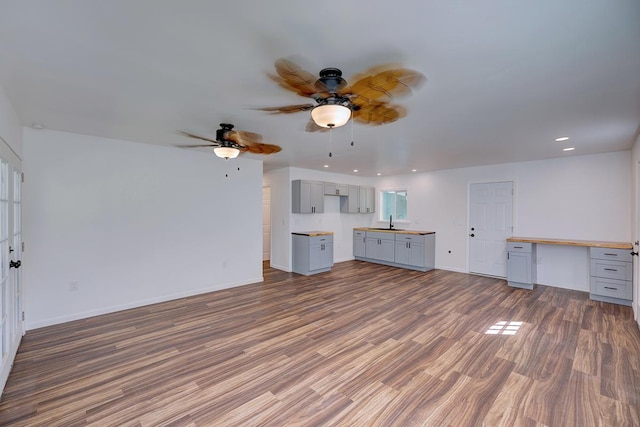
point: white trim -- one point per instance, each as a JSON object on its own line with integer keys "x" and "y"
{"x": 136, "y": 304}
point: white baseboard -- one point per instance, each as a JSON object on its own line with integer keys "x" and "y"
{"x": 135, "y": 304}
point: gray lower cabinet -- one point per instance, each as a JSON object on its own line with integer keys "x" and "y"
{"x": 380, "y": 246}
{"x": 411, "y": 251}
{"x": 521, "y": 258}
{"x": 312, "y": 254}
{"x": 359, "y": 243}
{"x": 611, "y": 275}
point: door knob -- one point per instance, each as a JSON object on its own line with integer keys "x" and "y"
{"x": 15, "y": 264}
{"x": 472, "y": 235}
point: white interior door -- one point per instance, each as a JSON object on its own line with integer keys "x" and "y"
{"x": 11, "y": 311}
{"x": 266, "y": 223}
{"x": 490, "y": 224}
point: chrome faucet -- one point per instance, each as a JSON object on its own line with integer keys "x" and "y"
{"x": 390, "y": 222}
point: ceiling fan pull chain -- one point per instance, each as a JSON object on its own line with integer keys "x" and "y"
{"x": 352, "y": 128}
{"x": 330, "y": 139}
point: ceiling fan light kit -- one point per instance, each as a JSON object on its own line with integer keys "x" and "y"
{"x": 226, "y": 152}
{"x": 331, "y": 115}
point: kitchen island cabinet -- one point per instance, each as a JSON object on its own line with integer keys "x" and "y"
{"x": 312, "y": 252}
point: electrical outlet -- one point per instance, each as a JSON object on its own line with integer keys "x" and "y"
{"x": 74, "y": 286}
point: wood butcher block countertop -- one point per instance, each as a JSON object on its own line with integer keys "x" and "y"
{"x": 313, "y": 233}
{"x": 590, "y": 243}
{"x": 399, "y": 231}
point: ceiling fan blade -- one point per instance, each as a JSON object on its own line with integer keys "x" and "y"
{"x": 292, "y": 77}
{"x": 286, "y": 109}
{"x": 262, "y": 148}
{"x": 191, "y": 135}
{"x": 243, "y": 137}
{"x": 387, "y": 84}
{"x": 378, "y": 113}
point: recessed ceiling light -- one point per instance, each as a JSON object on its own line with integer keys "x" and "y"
{"x": 569, "y": 149}
{"x": 326, "y": 166}
{"x": 378, "y": 174}
{"x": 414, "y": 170}
{"x": 355, "y": 170}
{"x": 562, "y": 138}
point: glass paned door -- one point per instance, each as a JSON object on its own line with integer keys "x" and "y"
{"x": 4, "y": 263}
{"x": 11, "y": 319}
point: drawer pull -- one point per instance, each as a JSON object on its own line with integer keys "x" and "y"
{"x": 518, "y": 247}
{"x": 610, "y": 269}
{"x": 613, "y": 289}
{"x": 610, "y": 254}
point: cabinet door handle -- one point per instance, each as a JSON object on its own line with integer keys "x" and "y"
{"x": 613, "y": 289}
{"x": 610, "y": 269}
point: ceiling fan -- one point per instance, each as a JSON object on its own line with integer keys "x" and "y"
{"x": 367, "y": 100}
{"x": 230, "y": 143}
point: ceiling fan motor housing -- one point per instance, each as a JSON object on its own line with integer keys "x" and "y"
{"x": 221, "y": 133}
{"x": 330, "y": 80}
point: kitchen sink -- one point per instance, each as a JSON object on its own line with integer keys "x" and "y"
{"x": 386, "y": 228}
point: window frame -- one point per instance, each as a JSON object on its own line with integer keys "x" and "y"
{"x": 381, "y": 204}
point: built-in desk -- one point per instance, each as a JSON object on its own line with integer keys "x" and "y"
{"x": 610, "y": 266}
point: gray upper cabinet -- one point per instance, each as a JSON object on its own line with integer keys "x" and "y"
{"x": 331, "y": 189}
{"x": 351, "y": 203}
{"x": 307, "y": 196}
{"x": 367, "y": 200}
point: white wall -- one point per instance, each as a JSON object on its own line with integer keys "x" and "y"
{"x": 10, "y": 126}
{"x": 132, "y": 224}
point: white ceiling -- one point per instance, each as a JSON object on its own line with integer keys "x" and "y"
{"x": 505, "y": 77}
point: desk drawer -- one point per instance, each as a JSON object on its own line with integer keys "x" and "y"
{"x": 612, "y": 288}
{"x": 612, "y": 269}
{"x": 316, "y": 240}
{"x": 519, "y": 247}
{"x": 612, "y": 254}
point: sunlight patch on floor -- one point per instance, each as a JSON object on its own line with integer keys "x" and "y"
{"x": 504, "y": 328}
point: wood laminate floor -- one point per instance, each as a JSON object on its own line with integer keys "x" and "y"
{"x": 361, "y": 345}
